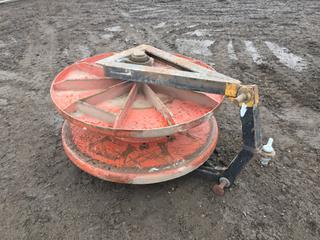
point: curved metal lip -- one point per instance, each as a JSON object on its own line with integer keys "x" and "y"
{"x": 124, "y": 175}
{"x": 136, "y": 133}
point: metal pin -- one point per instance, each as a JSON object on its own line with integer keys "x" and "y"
{"x": 219, "y": 188}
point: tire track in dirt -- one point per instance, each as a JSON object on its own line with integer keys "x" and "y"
{"x": 253, "y": 54}
{"x": 44, "y": 196}
{"x": 44, "y": 43}
{"x": 149, "y": 35}
{"x": 38, "y": 62}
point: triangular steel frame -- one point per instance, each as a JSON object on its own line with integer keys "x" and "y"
{"x": 185, "y": 74}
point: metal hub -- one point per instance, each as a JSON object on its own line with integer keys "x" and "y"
{"x": 140, "y": 57}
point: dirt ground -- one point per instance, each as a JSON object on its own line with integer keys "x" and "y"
{"x": 44, "y": 196}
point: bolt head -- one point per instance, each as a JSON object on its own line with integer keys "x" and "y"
{"x": 139, "y": 53}
{"x": 139, "y": 56}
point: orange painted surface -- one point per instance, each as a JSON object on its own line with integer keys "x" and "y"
{"x": 185, "y": 111}
{"x": 144, "y": 119}
{"x": 159, "y": 153}
{"x": 113, "y": 160}
{"x": 138, "y": 118}
{"x": 145, "y": 148}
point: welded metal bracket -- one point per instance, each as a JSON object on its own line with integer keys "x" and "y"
{"x": 184, "y": 74}
{"x": 251, "y": 136}
{"x": 188, "y": 75}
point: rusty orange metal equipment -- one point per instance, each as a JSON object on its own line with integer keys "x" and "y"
{"x": 129, "y": 132}
{"x": 132, "y": 117}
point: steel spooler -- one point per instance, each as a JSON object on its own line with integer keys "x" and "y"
{"x": 144, "y": 116}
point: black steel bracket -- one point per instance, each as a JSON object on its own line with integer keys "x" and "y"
{"x": 251, "y": 137}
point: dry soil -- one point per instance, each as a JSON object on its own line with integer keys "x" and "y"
{"x": 273, "y": 43}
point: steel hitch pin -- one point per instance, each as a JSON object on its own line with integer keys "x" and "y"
{"x": 219, "y": 188}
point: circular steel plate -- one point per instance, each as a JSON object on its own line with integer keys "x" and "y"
{"x": 89, "y": 99}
